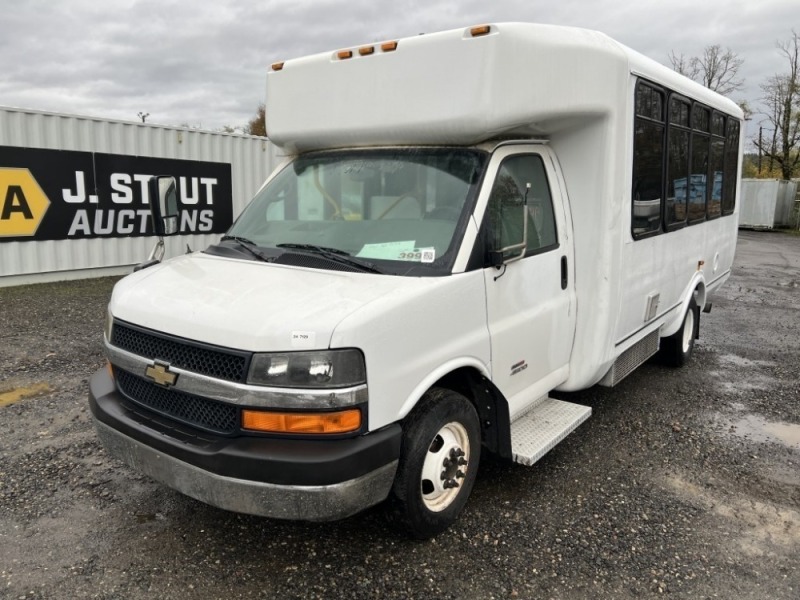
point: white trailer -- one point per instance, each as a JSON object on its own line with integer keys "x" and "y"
{"x": 464, "y": 222}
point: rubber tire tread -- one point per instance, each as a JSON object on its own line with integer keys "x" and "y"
{"x": 671, "y": 350}
{"x": 436, "y": 408}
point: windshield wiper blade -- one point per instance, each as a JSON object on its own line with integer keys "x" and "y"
{"x": 334, "y": 254}
{"x": 248, "y": 245}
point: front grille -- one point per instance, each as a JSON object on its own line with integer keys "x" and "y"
{"x": 193, "y": 410}
{"x": 191, "y": 356}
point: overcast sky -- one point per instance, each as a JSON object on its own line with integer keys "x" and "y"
{"x": 204, "y": 63}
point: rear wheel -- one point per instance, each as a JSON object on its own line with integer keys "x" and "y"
{"x": 438, "y": 463}
{"x": 677, "y": 348}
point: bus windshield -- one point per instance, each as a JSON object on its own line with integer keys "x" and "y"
{"x": 397, "y": 208}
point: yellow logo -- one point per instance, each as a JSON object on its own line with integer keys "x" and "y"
{"x": 161, "y": 374}
{"x": 22, "y": 203}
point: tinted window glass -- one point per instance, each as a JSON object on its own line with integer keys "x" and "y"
{"x": 700, "y": 118}
{"x": 698, "y": 184}
{"x": 718, "y": 124}
{"x": 648, "y": 158}
{"x": 730, "y": 167}
{"x": 677, "y": 176}
{"x": 505, "y": 210}
{"x": 679, "y": 112}
{"x": 649, "y": 102}
{"x": 716, "y": 175}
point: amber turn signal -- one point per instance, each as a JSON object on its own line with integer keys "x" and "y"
{"x": 481, "y": 30}
{"x": 277, "y": 422}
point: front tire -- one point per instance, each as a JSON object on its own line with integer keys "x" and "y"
{"x": 438, "y": 463}
{"x": 676, "y": 350}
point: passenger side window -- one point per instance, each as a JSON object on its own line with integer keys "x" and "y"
{"x": 505, "y": 211}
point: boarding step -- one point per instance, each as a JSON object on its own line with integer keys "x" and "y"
{"x": 536, "y": 432}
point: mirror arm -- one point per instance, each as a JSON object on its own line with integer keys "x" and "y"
{"x": 157, "y": 253}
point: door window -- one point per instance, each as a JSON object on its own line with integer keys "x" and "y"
{"x": 521, "y": 193}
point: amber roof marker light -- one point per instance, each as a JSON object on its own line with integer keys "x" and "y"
{"x": 366, "y": 50}
{"x": 389, "y": 46}
{"x": 277, "y": 66}
{"x": 344, "y": 54}
{"x": 480, "y": 30}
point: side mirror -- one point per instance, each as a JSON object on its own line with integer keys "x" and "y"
{"x": 163, "y": 205}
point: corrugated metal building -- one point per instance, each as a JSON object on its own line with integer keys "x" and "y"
{"x": 92, "y": 226}
{"x": 767, "y": 203}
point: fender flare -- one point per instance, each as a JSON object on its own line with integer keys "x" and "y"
{"x": 435, "y": 375}
{"x": 475, "y": 383}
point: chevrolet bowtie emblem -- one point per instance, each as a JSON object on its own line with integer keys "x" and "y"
{"x": 160, "y": 373}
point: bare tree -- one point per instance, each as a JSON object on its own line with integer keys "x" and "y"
{"x": 717, "y": 69}
{"x": 781, "y": 100}
{"x": 684, "y": 66}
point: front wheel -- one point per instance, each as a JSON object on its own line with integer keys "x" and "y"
{"x": 677, "y": 348}
{"x": 438, "y": 462}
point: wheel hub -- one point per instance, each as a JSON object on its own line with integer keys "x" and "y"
{"x": 451, "y": 472}
{"x": 445, "y": 466}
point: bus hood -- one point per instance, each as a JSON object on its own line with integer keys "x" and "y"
{"x": 247, "y": 305}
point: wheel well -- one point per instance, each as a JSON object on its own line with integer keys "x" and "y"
{"x": 490, "y": 404}
{"x": 700, "y": 295}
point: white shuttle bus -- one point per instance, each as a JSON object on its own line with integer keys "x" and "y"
{"x": 465, "y": 221}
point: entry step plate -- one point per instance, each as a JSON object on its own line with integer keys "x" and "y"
{"x": 536, "y": 433}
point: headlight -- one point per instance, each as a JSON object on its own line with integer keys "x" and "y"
{"x": 317, "y": 369}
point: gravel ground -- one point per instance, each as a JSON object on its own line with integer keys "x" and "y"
{"x": 684, "y": 483}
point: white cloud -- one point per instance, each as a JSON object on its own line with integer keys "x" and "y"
{"x": 205, "y": 62}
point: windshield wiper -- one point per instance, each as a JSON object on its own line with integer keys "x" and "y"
{"x": 248, "y": 245}
{"x": 335, "y": 255}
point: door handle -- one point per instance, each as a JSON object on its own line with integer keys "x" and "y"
{"x": 564, "y": 276}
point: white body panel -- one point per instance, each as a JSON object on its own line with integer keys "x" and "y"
{"x": 411, "y": 330}
{"x": 572, "y": 86}
{"x": 246, "y": 305}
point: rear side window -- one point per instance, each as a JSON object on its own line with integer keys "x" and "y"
{"x": 648, "y": 160}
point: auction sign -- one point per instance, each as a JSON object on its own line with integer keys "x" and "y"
{"x": 67, "y": 195}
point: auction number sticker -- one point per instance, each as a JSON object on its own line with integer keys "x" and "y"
{"x": 423, "y": 255}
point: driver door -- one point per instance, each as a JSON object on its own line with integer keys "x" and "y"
{"x": 529, "y": 283}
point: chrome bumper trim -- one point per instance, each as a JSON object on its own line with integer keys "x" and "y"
{"x": 243, "y": 394}
{"x": 304, "y": 503}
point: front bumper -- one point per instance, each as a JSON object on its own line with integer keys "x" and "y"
{"x": 312, "y": 480}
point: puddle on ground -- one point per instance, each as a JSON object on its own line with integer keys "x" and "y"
{"x": 758, "y": 527}
{"x": 757, "y": 429}
{"x": 741, "y": 361}
{"x": 745, "y": 377}
{"x": 754, "y": 382}
{"x": 14, "y": 395}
